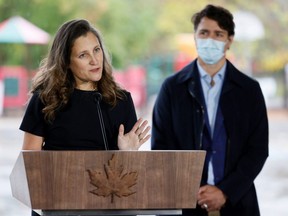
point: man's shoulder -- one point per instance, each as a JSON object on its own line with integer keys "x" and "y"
{"x": 239, "y": 77}
{"x": 183, "y": 74}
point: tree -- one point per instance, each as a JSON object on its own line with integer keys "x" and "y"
{"x": 44, "y": 14}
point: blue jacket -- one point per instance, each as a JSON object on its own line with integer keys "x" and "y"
{"x": 178, "y": 119}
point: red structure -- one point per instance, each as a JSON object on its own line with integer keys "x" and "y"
{"x": 15, "y": 79}
{"x": 134, "y": 80}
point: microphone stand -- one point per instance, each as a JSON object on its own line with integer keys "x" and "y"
{"x": 97, "y": 99}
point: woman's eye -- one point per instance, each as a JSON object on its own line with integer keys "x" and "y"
{"x": 82, "y": 55}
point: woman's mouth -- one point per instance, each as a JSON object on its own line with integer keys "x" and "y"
{"x": 95, "y": 70}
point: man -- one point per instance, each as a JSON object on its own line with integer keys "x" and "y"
{"x": 210, "y": 105}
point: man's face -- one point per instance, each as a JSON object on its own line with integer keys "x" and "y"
{"x": 209, "y": 28}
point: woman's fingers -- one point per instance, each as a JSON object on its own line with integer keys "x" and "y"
{"x": 136, "y": 137}
{"x": 143, "y": 135}
{"x": 144, "y": 139}
{"x": 121, "y": 130}
{"x": 141, "y": 127}
{"x": 136, "y": 126}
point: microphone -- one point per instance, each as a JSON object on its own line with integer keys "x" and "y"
{"x": 97, "y": 99}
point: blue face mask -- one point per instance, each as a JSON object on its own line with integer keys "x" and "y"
{"x": 209, "y": 50}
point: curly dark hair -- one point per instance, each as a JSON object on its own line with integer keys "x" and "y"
{"x": 55, "y": 82}
{"x": 221, "y": 15}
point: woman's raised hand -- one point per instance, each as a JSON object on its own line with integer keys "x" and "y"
{"x": 135, "y": 138}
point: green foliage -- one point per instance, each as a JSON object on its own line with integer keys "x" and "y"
{"x": 15, "y": 53}
{"x": 128, "y": 27}
{"x": 45, "y": 14}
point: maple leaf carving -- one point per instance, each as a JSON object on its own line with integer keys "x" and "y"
{"x": 112, "y": 181}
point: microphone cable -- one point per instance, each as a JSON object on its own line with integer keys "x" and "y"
{"x": 97, "y": 99}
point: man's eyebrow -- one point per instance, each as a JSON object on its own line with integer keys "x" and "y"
{"x": 204, "y": 30}
{"x": 220, "y": 31}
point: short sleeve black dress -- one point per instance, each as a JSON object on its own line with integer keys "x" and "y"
{"x": 77, "y": 126}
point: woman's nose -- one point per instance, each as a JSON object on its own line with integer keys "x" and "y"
{"x": 93, "y": 59}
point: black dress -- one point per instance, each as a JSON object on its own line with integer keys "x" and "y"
{"x": 77, "y": 126}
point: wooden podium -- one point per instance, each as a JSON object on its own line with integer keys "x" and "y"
{"x": 107, "y": 182}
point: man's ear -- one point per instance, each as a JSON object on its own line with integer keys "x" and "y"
{"x": 230, "y": 41}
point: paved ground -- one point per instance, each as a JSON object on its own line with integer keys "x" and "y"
{"x": 272, "y": 184}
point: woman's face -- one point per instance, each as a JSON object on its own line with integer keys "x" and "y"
{"x": 86, "y": 61}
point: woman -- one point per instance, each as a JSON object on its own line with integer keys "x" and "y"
{"x": 75, "y": 103}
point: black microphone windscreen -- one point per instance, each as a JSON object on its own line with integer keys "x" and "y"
{"x": 97, "y": 97}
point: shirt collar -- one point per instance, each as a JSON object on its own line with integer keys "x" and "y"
{"x": 204, "y": 74}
